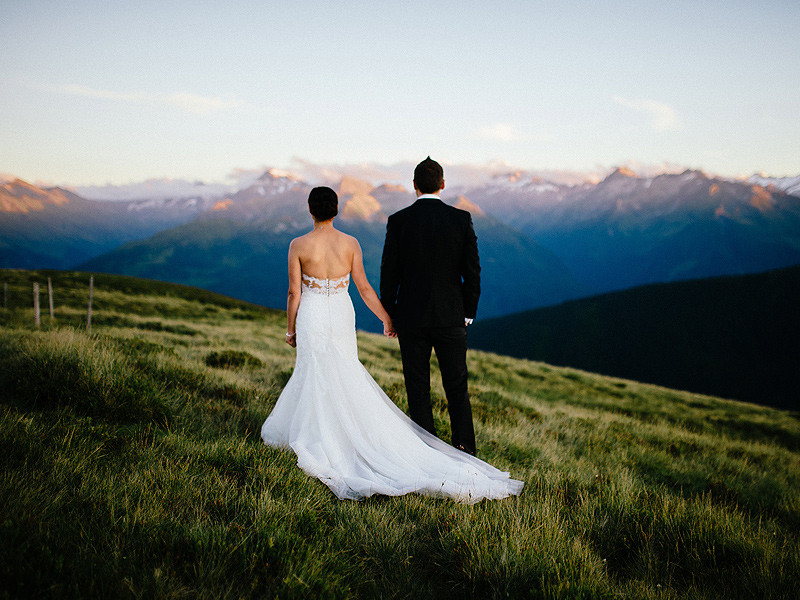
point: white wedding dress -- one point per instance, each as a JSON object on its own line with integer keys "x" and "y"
{"x": 347, "y": 432}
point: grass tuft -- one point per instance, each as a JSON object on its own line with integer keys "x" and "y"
{"x": 232, "y": 359}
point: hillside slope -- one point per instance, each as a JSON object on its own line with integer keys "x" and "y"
{"x": 132, "y": 466}
{"x": 735, "y": 337}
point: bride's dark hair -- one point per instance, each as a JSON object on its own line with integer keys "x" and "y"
{"x": 323, "y": 203}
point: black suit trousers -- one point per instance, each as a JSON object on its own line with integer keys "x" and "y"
{"x": 450, "y": 345}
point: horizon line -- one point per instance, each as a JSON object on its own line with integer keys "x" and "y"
{"x": 395, "y": 172}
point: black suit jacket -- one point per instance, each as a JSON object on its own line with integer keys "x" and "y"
{"x": 430, "y": 270}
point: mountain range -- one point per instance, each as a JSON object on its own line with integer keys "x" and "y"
{"x": 238, "y": 247}
{"x": 541, "y": 242}
{"x": 56, "y": 228}
{"x": 627, "y": 230}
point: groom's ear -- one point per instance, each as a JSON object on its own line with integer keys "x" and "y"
{"x": 441, "y": 188}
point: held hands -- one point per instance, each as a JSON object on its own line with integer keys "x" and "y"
{"x": 388, "y": 329}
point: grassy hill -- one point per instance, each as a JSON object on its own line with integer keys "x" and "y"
{"x": 735, "y": 337}
{"x": 132, "y": 467}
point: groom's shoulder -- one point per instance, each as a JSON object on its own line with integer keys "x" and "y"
{"x": 401, "y": 214}
{"x": 452, "y": 210}
{"x": 422, "y": 211}
{"x": 464, "y": 214}
{"x": 459, "y": 214}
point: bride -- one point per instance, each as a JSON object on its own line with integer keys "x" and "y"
{"x": 341, "y": 425}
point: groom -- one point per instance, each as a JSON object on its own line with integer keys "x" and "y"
{"x": 430, "y": 284}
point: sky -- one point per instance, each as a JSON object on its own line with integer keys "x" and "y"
{"x": 98, "y": 92}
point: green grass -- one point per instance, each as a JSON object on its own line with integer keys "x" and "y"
{"x": 132, "y": 468}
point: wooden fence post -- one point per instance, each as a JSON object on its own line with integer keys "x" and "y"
{"x": 89, "y": 314}
{"x": 50, "y": 297}
{"x": 36, "y": 304}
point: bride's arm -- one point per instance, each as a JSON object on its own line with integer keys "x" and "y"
{"x": 366, "y": 291}
{"x": 293, "y": 297}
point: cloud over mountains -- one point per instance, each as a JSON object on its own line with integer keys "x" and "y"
{"x": 663, "y": 117}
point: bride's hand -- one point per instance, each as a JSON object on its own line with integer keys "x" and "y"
{"x": 292, "y": 340}
{"x": 388, "y": 329}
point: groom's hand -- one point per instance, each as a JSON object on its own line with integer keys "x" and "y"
{"x": 388, "y": 330}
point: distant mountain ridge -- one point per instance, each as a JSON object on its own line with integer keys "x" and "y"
{"x": 18, "y": 196}
{"x": 790, "y": 185}
{"x": 56, "y": 228}
{"x": 541, "y": 242}
{"x": 627, "y": 230}
{"x": 239, "y": 248}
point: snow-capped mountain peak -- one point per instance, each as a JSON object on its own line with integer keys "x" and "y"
{"x": 790, "y": 185}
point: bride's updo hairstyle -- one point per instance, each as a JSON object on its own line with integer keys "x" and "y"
{"x": 323, "y": 203}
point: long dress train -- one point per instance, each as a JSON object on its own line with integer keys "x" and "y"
{"x": 347, "y": 432}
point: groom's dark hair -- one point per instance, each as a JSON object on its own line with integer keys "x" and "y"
{"x": 323, "y": 203}
{"x": 428, "y": 176}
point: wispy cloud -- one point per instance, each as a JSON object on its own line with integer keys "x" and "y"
{"x": 184, "y": 101}
{"x": 499, "y": 132}
{"x": 662, "y": 116}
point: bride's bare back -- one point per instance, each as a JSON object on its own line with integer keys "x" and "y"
{"x": 326, "y": 253}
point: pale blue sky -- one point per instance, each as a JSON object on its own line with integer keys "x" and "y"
{"x": 97, "y": 91}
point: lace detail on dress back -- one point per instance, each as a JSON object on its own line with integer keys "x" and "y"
{"x": 325, "y": 287}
